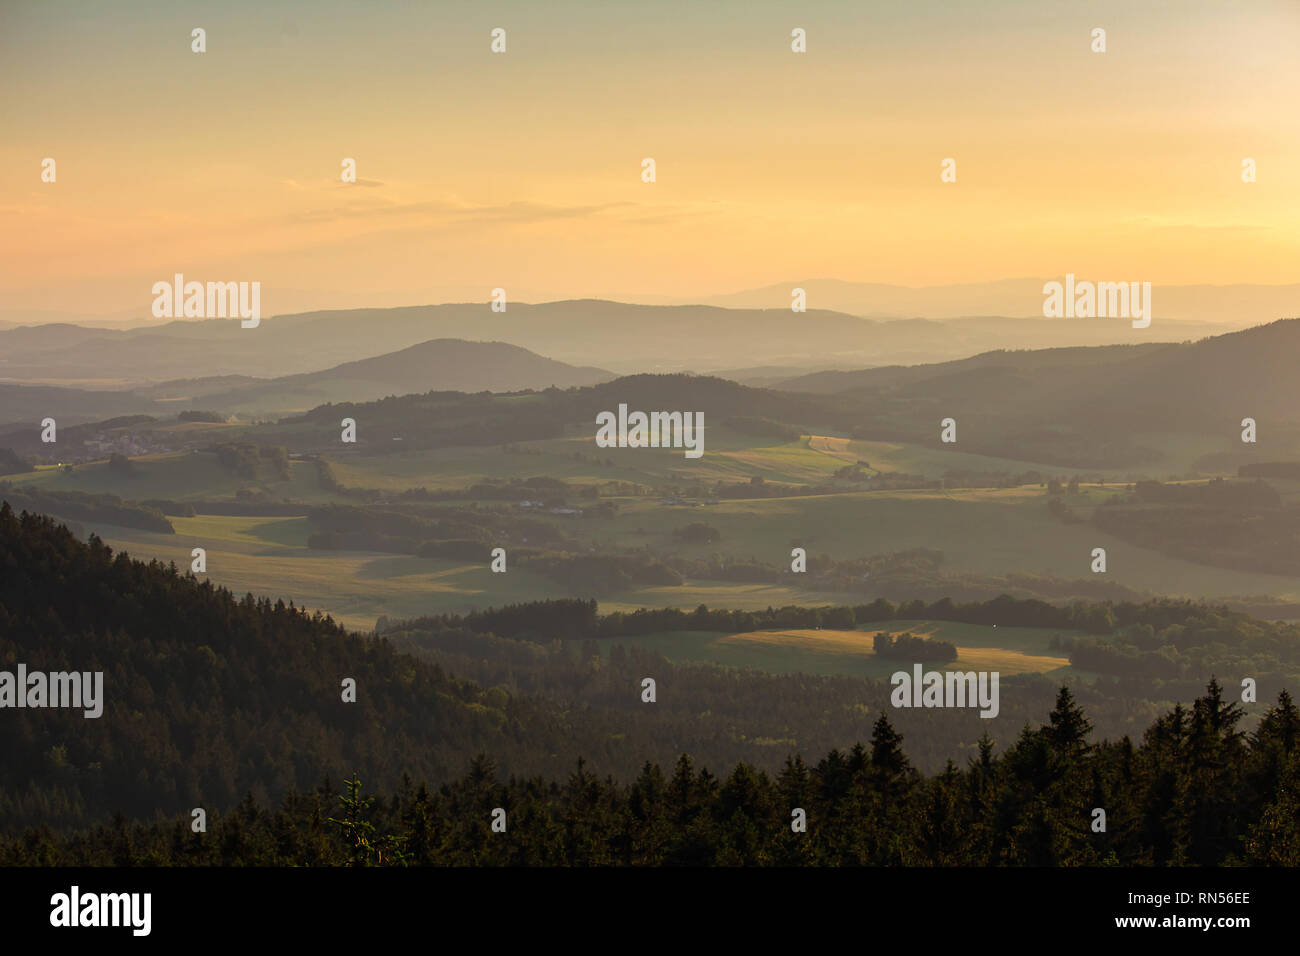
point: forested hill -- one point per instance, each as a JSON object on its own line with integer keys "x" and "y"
{"x": 436, "y": 419}
{"x": 207, "y": 697}
{"x": 1194, "y": 387}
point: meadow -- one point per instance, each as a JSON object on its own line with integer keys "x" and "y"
{"x": 1007, "y": 650}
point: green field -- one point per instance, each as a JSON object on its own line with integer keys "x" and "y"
{"x": 1007, "y": 650}
{"x": 729, "y": 456}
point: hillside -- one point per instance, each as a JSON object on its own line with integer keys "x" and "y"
{"x": 1107, "y": 400}
{"x": 24, "y": 406}
{"x": 836, "y": 381}
{"x": 1252, "y": 366}
{"x": 442, "y": 364}
{"x": 442, "y": 419}
{"x": 207, "y": 698}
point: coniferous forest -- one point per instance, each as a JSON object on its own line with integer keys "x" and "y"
{"x": 1195, "y": 791}
{"x": 233, "y": 706}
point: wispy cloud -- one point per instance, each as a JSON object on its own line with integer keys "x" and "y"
{"x": 447, "y": 212}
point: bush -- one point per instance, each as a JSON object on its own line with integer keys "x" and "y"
{"x": 697, "y": 532}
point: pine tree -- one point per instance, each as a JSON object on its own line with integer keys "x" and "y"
{"x": 354, "y": 828}
{"x": 1068, "y": 728}
{"x": 887, "y": 757}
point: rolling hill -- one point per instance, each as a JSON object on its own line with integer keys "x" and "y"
{"x": 1114, "y": 394}
{"x": 442, "y": 364}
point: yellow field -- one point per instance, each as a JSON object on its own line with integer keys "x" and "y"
{"x": 1006, "y": 661}
{"x": 836, "y": 447}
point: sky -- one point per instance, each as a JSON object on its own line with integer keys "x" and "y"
{"x": 523, "y": 170}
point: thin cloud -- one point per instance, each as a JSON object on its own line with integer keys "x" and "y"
{"x": 453, "y": 213}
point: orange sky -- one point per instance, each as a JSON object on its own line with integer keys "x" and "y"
{"x": 522, "y": 169}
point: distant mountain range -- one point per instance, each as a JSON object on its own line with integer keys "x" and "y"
{"x": 1229, "y": 305}
{"x": 1236, "y": 306}
{"x": 10, "y": 318}
{"x": 618, "y": 336}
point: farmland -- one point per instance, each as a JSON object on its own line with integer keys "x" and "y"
{"x": 1008, "y": 650}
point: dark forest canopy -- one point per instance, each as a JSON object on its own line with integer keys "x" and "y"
{"x": 1196, "y": 791}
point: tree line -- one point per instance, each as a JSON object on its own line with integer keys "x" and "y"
{"x": 1195, "y": 791}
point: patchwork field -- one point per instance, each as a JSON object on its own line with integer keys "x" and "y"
{"x": 986, "y": 532}
{"x": 270, "y": 557}
{"x": 729, "y": 456}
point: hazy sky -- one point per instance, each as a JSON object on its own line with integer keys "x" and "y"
{"x": 523, "y": 169}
